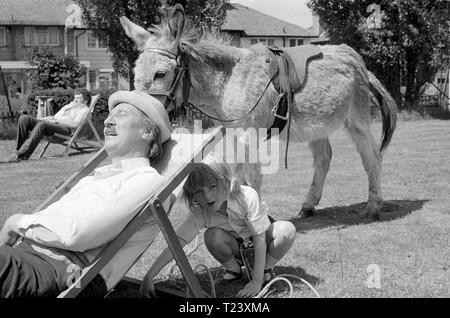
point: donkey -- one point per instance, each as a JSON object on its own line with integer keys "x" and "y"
{"x": 226, "y": 81}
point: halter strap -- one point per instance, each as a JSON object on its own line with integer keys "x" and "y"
{"x": 166, "y": 53}
{"x": 181, "y": 74}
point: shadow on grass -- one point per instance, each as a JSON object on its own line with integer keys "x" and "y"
{"x": 222, "y": 288}
{"x": 344, "y": 216}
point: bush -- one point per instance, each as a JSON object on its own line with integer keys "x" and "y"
{"x": 54, "y": 71}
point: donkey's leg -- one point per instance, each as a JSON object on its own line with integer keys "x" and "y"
{"x": 321, "y": 150}
{"x": 371, "y": 159}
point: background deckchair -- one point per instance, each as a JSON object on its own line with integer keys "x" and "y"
{"x": 179, "y": 155}
{"x": 74, "y": 139}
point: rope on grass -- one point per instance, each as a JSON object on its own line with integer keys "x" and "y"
{"x": 211, "y": 280}
{"x": 262, "y": 294}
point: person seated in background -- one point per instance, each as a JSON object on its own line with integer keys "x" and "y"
{"x": 72, "y": 231}
{"x": 30, "y": 130}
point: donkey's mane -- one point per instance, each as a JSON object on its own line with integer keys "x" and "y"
{"x": 200, "y": 45}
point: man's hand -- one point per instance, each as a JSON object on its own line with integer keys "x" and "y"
{"x": 50, "y": 119}
{"x": 9, "y": 233}
{"x": 147, "y": 288}
{"x": 251, "y": 289}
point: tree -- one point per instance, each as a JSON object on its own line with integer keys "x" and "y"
{"x": 54, "y": 72}
{"x": 405, "y": 51}
{"x": 102, "y": 17}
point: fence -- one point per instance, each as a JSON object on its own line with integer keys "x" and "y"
{"x": 8, "y": 124}
{"x": 428, "y": 100}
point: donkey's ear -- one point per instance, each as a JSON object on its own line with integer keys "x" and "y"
{"x": 177, "y": 18}
{"x": 138, "y": 34}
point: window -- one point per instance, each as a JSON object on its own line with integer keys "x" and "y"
{"x": 295, "y": 42}
{"x": 264, "y": 41}
{"x": 92, "y": 79}
{"x": 29, "y": 36}
{"x": 41, "y": 36}
{"x": 95, "y": 43}
{"x": 2, "y": 36}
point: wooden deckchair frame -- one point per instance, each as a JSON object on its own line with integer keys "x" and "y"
{"x": 153, "y": 207}
{"x": 73, "y": 140}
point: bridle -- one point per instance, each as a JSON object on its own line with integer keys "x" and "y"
{"x": 182, "y": 73}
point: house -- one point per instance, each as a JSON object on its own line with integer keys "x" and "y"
{"x": 56, "y": 25}
{"x": 26, "y": 24}
{"x": 439, "y": 89}
{"x": 247, "y": 26}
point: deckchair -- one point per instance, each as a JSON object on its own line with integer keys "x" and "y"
{"x": 180, "y": 153}
{"x": 74, "y": 139}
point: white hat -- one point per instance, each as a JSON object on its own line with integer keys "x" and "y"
{"x": 149, "y": 105}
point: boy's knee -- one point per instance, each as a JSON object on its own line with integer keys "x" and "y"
{"x": 213, "y": 236}
{"x": 288, "y": 231}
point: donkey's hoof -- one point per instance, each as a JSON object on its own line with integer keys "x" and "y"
{"x": 306, "y": 213}
{"x": 372, "y": 216}
{"x": 372, "y": 212}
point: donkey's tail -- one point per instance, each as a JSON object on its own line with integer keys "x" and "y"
{"x": 388, "y": 109}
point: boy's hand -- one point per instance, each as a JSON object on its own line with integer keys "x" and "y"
{"x": 251, "y": 289}
{"x": 147, "y": 289}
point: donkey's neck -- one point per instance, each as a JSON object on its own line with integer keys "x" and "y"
{"x": 229, "y": 81}
{"x": 211, "y": 67}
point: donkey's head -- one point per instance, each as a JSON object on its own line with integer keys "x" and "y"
{"x": 161, "y": 59}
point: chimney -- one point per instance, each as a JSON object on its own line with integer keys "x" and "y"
{"x": 316, "y": 29}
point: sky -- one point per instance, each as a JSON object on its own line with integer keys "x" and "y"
{"x": 293, "y": 11}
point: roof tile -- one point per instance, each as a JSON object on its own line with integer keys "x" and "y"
{"x": 33, "y": 12}
{"x": 255, "y": 23}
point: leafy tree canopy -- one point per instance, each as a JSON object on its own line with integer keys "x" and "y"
{"x": 102, "y": 17}
{"x": 405, "y": 49}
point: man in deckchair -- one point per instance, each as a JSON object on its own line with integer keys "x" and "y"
{"x": 30, "y": 130}
{"x": 71, "y": 231}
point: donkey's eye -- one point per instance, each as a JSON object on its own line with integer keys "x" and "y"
{"x": 160, "y": 75}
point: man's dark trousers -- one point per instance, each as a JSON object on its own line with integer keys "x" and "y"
{"x": 34, "y": 130}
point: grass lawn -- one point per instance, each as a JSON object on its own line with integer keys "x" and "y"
{"x": 410, "y": 244}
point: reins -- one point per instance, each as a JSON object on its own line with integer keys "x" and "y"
{"x": 192, "y": 106}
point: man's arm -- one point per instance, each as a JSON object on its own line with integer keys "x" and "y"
{"x": 88, "y": 226}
